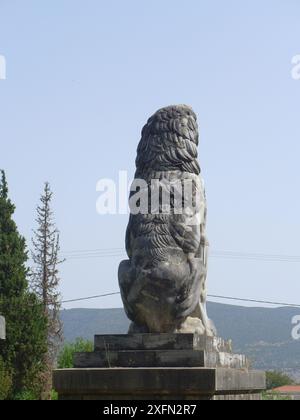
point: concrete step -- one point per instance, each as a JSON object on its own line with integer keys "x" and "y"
{"x": 158, "y": 384}
{"x": 159, "y": 358}
{"x": 161, "y": 342}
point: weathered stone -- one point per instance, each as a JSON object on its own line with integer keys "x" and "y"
{"x": 163, "y": 283}
{"x": 157, "y": 383}
{"x": 159, "y": 358}
{"x": 226, "y": 360}
{"x": 161, "y": 342}
{"x": 149, "y": 358}
{"x": 2, "y": 328}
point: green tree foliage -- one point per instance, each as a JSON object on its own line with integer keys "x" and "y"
{"x": 66, "y": 356}
{"x": 13, "y": 255}
{"x": 26, "y": 342}
{"x": 5, "y": 381}
{"x": 277, "y": 379}
{"x": 273, "y": 396}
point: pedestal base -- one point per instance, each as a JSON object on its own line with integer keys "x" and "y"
{"x": 159, "y": 367}
{"x": 158, "y": 384}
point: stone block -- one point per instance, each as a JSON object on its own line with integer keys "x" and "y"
{"x": 160, "y": 342}
{"x": 138, "y": 358}
{"x": 158, "y": 383}
{"x": 159, "y": 358}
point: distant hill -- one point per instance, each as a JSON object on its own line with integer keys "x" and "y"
{"x": 264, "y": 335}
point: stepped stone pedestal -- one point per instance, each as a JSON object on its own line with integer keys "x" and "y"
{"x": 159, "y": 367}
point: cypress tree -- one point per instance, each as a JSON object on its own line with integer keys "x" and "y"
{"x": 13, "y": 255}
{"x": 45, "y": 279}
{"x": 23, "y": 350}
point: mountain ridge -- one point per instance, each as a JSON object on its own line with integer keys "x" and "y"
{"x": 263, "y": 334}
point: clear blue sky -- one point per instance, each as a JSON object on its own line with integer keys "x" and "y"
{"x": 83, "y": 77}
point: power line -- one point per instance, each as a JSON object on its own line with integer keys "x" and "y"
{"x": 90, "y": 297}
{"x": 211, "y": 296}
{"x": 83, "y": 251}
{"x": 255, "y": 301}
{"x": 223, "y": 254}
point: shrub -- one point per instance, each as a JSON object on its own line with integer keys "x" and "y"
{"x": 66, "y": 356}
{"x": 25, "y": 395}
{"x": 273, "y": 396}
{"x": 5, "y": 381}
{"x": 54, "y": 395}
{"x": 278, "y": 379}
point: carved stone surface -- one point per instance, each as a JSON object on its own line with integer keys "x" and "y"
{"x": 163, "y": 283}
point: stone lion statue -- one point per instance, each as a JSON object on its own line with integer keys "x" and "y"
{"x": 163, "y": 282}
